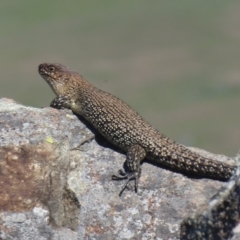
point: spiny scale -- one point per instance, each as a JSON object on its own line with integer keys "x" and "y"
{"x": 125, "y": 128}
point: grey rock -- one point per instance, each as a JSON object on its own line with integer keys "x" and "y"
{"x": 220, "y": 218}
{"x": 55, "y": 183}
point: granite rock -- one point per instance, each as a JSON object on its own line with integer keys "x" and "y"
{"x": 55, "y": 183}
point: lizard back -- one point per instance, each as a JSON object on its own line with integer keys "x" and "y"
{"x": 124, "y": 127}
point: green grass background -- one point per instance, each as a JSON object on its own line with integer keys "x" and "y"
{"x": 176, "y": 62}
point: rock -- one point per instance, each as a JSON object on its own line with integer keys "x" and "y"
{"x": 220, "y": 218}
{"x": 55, "y": 183}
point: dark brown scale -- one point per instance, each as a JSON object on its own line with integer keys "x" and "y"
{"x": 125, "y": 128}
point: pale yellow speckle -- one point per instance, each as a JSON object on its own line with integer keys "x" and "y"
{"x": 69, "y": 116}
{"x": 14, "y": 157}
{"x": 49, "y": 139}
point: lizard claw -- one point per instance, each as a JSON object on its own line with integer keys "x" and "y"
{"x": 128, "y": 176}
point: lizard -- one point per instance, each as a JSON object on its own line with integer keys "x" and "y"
{"x": 122, "y": 126}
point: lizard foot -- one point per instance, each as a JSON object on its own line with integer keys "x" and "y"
{"x": 128, "y": 176}
{"x": 59, "y": 102}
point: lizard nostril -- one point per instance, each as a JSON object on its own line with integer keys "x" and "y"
{"x": 40, "y": 67}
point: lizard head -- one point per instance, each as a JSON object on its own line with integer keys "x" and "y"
{"x": 61, "y": 79}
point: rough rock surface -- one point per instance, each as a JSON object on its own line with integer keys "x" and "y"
{"x": 55, "y": 184}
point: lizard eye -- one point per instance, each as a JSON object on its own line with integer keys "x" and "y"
{"x": 51, "y": 69}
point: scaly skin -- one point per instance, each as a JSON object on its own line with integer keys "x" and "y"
{"x": 125, "y": 128}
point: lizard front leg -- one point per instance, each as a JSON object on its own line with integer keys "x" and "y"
{"x": 135, "y": 155}
{"x": 61, "y": 102}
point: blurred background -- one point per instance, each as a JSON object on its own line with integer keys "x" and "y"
{"x": 176, "y": 62}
